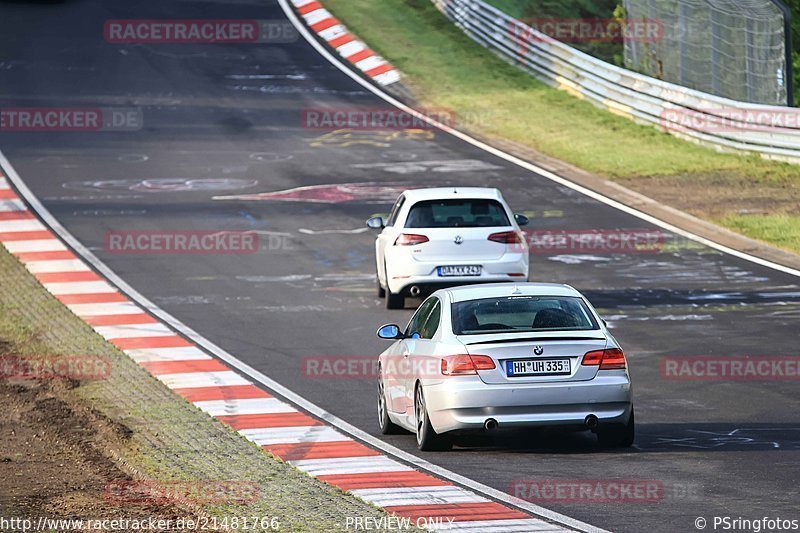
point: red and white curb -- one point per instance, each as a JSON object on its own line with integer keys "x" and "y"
{"x": 303, "y": 441}
{"x": 346, "y": 45}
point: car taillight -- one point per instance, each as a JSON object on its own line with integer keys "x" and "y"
{"x": 611, "y": 359}
{"x": 593, "y": 358}
{"x": 410, "y": 239}
{"x": 506, "y": 237}
{"x": 466, "y": 364}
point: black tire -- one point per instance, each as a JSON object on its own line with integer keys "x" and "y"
{"x": 384, "y": 422}
{"x": 618, "y": 436}
{"x": 427, "y": 439}
{"x": 381, "y": 290}
{"x": 395, "y": 301}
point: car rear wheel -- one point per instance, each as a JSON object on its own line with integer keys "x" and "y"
{"x": 381, "y": 290}
{"x": 387, "y": 426}
{"x": 427, "y": 439}
{"x": 394, "y": 301}
{"x": 618, "y": 435}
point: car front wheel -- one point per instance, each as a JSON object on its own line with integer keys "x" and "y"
{"x": 427, "y": 438}
{"x": 384, "y": 422}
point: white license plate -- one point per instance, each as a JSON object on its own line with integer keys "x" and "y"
{"x": 538, "y": 367}
{"x": 460, "y": 270}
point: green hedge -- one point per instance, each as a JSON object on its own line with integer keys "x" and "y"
{"x": 794, "y": 6}
{"x": 612, "y": 52}
{"x": 569, "y": 9}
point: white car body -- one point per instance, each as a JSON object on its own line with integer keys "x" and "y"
{"x": 414, "y": 269}
{"x": 588, "y": 395}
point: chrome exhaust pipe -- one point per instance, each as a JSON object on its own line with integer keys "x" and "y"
{"x": 591, "y": 422}
{"x": 415, "y": 290}
{"x": 490, "y": 424}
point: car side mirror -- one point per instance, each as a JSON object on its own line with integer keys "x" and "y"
{"x": 376, "y": 223}
{"x": 522, "y": 220}
{"x": 390, "y": 332}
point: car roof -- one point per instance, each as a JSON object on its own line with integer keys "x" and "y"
{"x": 447, "y": 193}
{"x": 493, "y": 290}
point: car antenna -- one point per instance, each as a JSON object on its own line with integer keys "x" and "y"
{"x": 455, "y": 191}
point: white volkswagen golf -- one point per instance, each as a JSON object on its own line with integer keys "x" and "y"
{"x": 443, "y": 237}
{"x": 483, "y": 357}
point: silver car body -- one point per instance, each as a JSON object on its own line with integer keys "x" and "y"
{"x": 465, "y": 402}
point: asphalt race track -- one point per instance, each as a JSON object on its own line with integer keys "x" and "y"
{"x": 225, "y": 120}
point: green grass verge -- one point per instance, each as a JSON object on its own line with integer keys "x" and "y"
{"x": 166, "y": 438}
{"x": 781, "y": 230}
{"x": 445, "y": 68}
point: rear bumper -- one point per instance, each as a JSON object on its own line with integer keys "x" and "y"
{"x": 466, "y": 403}
{"x": 428, "y": 286}
{"x": 402, "y": 275}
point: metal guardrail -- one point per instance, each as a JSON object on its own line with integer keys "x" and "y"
{"x": 728, "y": 125}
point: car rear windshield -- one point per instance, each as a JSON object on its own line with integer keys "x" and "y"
{"x": 522, "y": 314}
{"x": 466, "y": 213}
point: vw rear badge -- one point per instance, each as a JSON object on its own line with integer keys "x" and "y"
{"x": 538, "y": 350}
{"x": 459, "y": 239}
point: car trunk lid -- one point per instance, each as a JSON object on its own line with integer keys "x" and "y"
{"x": 507, "y": 348}
{"x": 463, "y": 246}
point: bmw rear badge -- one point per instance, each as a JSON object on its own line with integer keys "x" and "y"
{"x": 459, "y": 239}
{"x": 538, "y": 350}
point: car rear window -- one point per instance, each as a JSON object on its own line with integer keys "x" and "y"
{"x": 466, "y": 213}
{"x": 522, "y": 314}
